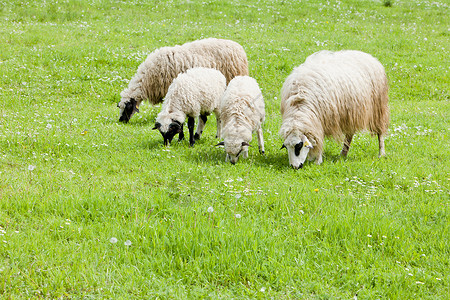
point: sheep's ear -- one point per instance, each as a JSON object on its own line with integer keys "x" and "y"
{"x": 307, "y": 143}
{"x": 246, "y": 144}
{"x": 157, "y": 126}
{"x": 220, "y": 144}
{"x": 283, "y": 146}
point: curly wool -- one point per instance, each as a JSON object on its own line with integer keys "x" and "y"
{"x": 242, "y": 112}
{"x": 335, "y": 94}
{"x": 194, "y": 93}
{"x": 162, "y": 66}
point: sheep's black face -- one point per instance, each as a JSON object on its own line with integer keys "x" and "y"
{"x": 174, "y": 128}
{"x": 128, "y": 109}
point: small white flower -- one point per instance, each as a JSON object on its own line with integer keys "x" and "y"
{"x": 31, "y": 167}
{"x": 384, "y": 237}
{"x": 410, "y": 274}
{"x": 302, "y": 212}
{"x": 49, "y": 126}
{"x": 113, "y": 240}
{"x": 238, "y": 216}
{"x": 263, "y": 289}
{"x": 238, "y": 196}
{"x": 239, "y": 179}
{"x": 370, "y": 246}
{"x": 419, "y": 282}
{"x": 437, "y": 278}
{"x": 369, "y": 235}
{"x": 127, "y": 243}
{"x": 210, "y": 209}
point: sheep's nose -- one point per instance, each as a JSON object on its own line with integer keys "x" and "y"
{"x": 297, "y": 167}
{"x": 232, "y": 162}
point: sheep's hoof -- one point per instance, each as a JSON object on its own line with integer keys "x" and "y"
{"x": 262, "y": 152}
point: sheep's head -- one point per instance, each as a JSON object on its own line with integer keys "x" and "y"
{"x": 168, "y": 131}
{"x": 235, "y": 149}
{"x": 128, "y": 107}
{"x": 298, "y": 147}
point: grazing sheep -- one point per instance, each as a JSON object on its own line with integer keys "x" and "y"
{"x": 333, "y": 94}
{"x": 193, "y": 94}
{"x": 163, "y": 65}
{"x": 242, "y": 113}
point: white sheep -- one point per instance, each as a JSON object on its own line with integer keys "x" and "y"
{"x": 163, "y": 65}
{"x": 194, "y": 94}
{"x": 333, "y": 94}
{"x": 242, "y": 113}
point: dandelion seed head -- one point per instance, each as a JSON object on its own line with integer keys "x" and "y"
{"x": 113, "y": 240}
{"x": 238, "y": 216}
{"x": 31, "y": 167}
{"x": 127, "y": 243}
{"x": 210, "y": 209}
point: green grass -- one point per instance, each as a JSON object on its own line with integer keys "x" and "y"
{"x": 374, "y": 227}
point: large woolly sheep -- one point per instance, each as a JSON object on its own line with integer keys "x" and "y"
{"x": 194, "y": 94}
{"x": 242, "y": 113}
{"x": 163, "y": 65}
{"x": 333, "y": 94}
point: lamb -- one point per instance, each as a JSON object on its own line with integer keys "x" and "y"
{"x": 163, "y": 65}
{"x": 242, "y": 113}
{"x": 333, "y": 94}
{"x": 194, "y": 94}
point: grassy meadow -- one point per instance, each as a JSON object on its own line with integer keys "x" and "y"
{"x": 92, "y": 208}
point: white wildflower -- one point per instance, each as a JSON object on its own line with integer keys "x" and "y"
{"x": 113, "y": 240}
{"x": 127, "y": 243}
{"x": 210, "y": 209}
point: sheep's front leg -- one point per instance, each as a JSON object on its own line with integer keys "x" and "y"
{"x": 191, "y": 123}
{"x": 201, "y": 125}
{"x": 381, "y": 145}
{"x": 346, "y": 146}
{"x": 319, "y": 159}
{"x": 219, "y": 128}
{"x": 181, "y": 134}
{"x": 260, "y": 140}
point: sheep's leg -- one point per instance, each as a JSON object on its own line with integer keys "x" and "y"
{"x": 381, "y": 145}
{"x": 319, "y": 159}
{"x": 347, "y": 142}
{"x": 181, "y": 134}
{"x": 219, "y": 128}
{"x": 260, "y": 140}
{"x": 201, "y": 125}
{"x": 191, "y": 123}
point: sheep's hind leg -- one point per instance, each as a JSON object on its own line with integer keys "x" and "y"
{"x": 260, "y": 140}
{"x": 347, "y": 142}
{"x": 181, "y": 134}
{"x": 381, "y": 145}
{"x": 191, "y": 123}
{"x": 201, "y": 125}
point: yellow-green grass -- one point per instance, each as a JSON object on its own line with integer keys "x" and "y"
{"x": 72, "y": 177}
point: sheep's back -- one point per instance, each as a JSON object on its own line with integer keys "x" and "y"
{"x": 243, "y": 102}
{"x": 346, "y": 90}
